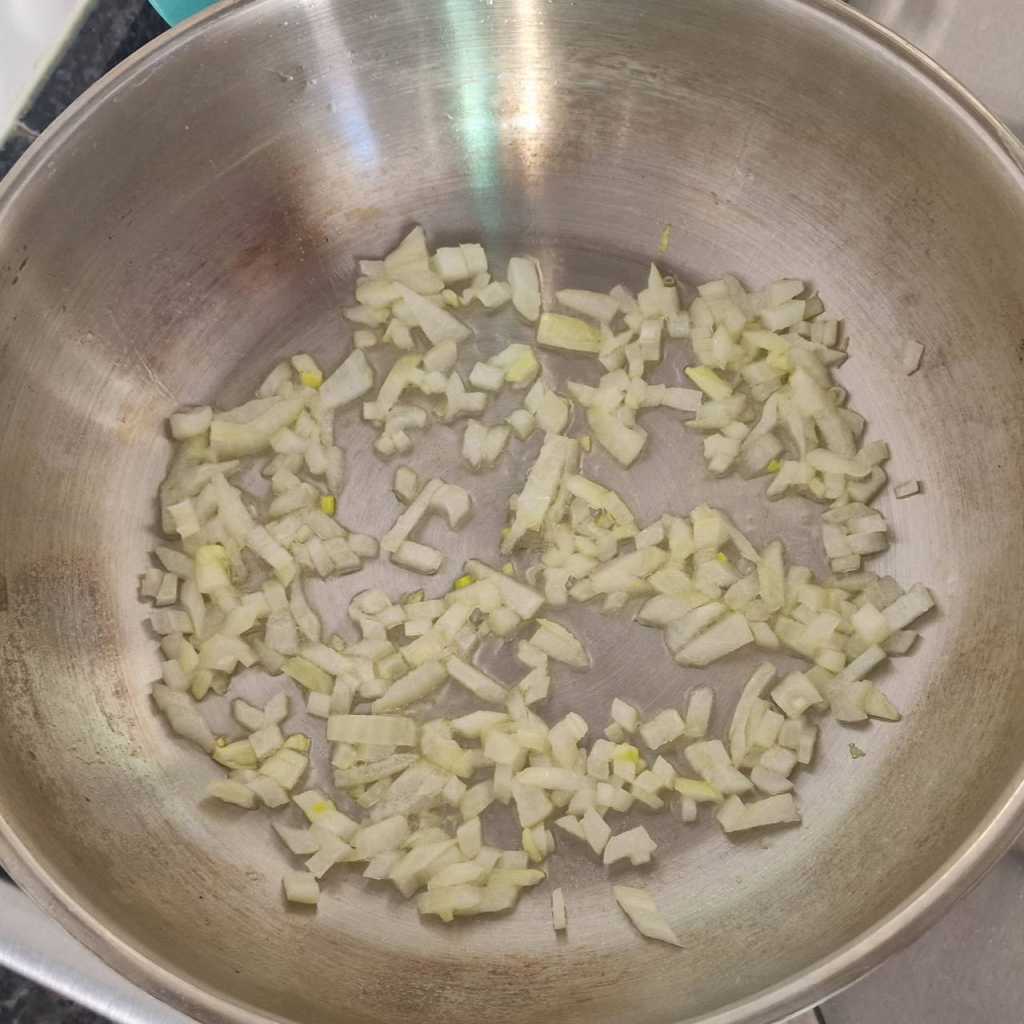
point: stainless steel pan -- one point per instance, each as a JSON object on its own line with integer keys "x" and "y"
{"x": 197, "y": 214}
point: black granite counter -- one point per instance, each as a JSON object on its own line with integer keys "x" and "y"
{"x": 24, "y": 1002}
{"x": 110, "y": 32}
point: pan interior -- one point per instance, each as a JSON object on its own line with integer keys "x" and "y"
{"x": 201, "y": 219}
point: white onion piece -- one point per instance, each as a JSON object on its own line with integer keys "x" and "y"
{"x": 568, "y": 334}
{"x": 635, "y": 845}
{"x": 558, "y": 455}
{"x": 413, "y": 686}
{"x": 524, "y": 279}
{"x": 301, "y": 887}
{"x": 666, "y": 727}
{"x": 711, "y": 761}
{"x": 593, "y": 304}
{"x": 723, "y": 637}
{"x": 559, "y": 919}
{"x": 754, "y": 688}
{"x": 735, "y": 816}
{"x": 191, "y": 422}
{"x": 559, "y": 643}
{"x": 478, "y": 683}
{"x": 417, "y": 557}
{"x": 437, "y": 324}
{"x": 377, "y": 730}
{"x": 910, "y": 358}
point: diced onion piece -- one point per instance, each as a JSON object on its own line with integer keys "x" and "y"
{"x": 625, "y": 715}
{"x": 596, "y": 831}
{"x": 711, "y": 761}
{"x": 909, "y": 607}
{"x": 593, "y": 304}
{"x": 410, "y": 518}
{"x": 635, "y": 845}
{"x": 373, "y": 730}
{"x": 301, "y": 887}
{"x": 877, "y": 705}
{"x": 286, "y": 767}
{"x": 522, "y": 423}
{"x": 478, "y": 683}
{"x": 658, "y": 298}
{"x": 441, "y": 358}
{"x": 640, "y": 908}
{"x": 568, "y": 334}
{"x": 769, "y": 782}
{"x": 796, "y": 694}
{"x": 666, "y": 727}
{"x": 351, "y": 380}
{"x": 622, "y": 442}
{"x": 437, "y": 324}
{"x": 301, "y": 841}
{"x": 735, "y": 816}
{"x": 308, "y": 675}
{"x": 232, "y": 793}
{"x": 752, "y": 691}
{"x": 532, "y": 805}
{"x": 420, "y": 682}
{"x": 232, "y": 439}
{"x": 487, "y": 377}
{"x": 450, "y": 264}
{"x": 406, "y": 484}
{"x": 183, "y": 716}
{"x": 524, "y": 279}
{"x": 558, "y": 455}
{"x": 699, "y": 792}
{"x": 495, "y": 294}
{"x": 191, "y": 422}
{"x": 409, "y": 873}
{"x": 725, "y": 636}
{"x": 558, "y": 915}
{"x": 559, "y": 643}
{"x": 698, "y": 712}
{"x": 380, "y": 837}
{"x": 468, "y": 836}
{"x": 709, "y": 382}
{"x": 417, "y": 557}
{"x": 910, "y": 357}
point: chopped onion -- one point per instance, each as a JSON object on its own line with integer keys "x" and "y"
{"x": 711, "y": 761}
{"x": 635, "y": 845}
{"x": 568, "y": 333}
{"x": 524, "y": 279}
{"x": 735, "y": 816}
{"x": 725, "y": 636}
{"x": 557, "y": 642}
{"x": 593, "y": 304}
{"x": 301, "y": 887}
{"x": 230, "y": 593}
{"x": 910, "y": 359}
{"x": 558, "y": 915}
{"x": 642, "y": 912}
{"x": 666, "y": 727}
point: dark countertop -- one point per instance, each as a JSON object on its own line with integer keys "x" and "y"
{"x": 24, "y": 1002}
{"x": 110, "y": 32}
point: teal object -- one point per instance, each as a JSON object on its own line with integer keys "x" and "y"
{"x": 173, "y": 11}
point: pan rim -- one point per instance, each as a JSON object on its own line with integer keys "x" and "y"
{"x": 962, "y": 870}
